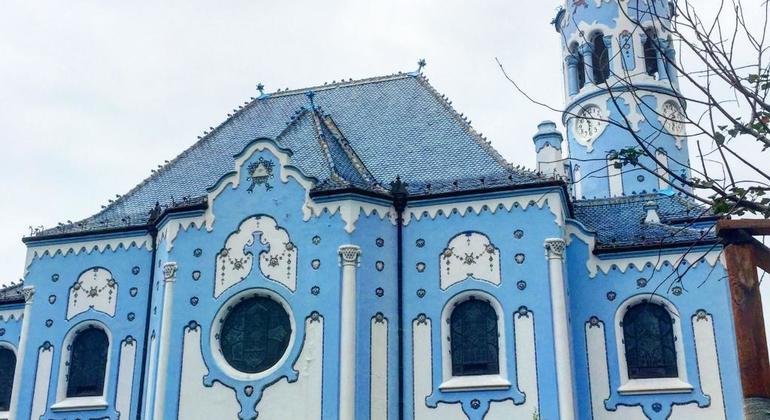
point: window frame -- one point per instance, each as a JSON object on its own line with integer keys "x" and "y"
{"x": 8, "y": 346}
{"x": 672, "y": 385}
{"x": 218, "y": 321}
{"x": 473, "y": 382}
{"x": 98, "y": 402}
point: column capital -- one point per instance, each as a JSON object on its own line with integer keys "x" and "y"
{"x": 554, "y": 248}
{"x": 28, "y": 293}
{"x": 169, "y": 271}
{"x": 349, "y": 255}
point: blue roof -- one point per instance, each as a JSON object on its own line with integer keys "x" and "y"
{"x": 362, "y": 133}
{"x": 619, "y": 222}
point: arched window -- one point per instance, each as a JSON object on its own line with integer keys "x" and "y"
{"x": 650, "y": 52}
{"x": 88, "y": 363}
{"x": 648, "y": 336}
{"x": 474, "y": 339}
{"x": 601, "y": 59}
{"x": 7, "y": 371}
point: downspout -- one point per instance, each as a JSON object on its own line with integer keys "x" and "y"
{"x": 400, "y": 197}
{"x": 143, "y": 373}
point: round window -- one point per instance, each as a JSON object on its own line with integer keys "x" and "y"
{"x": 255, "y": 334}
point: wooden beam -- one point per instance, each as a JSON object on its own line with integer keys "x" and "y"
{"x": 756, "y": 227}
{"x": 762, "y": 256}
{"x": 753, "y": 361}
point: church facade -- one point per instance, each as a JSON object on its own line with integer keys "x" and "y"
{"x": 357, "y": 251}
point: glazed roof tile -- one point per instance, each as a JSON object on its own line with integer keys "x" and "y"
{"x": 619, "y": 222}
{"x": 391, "y": 126}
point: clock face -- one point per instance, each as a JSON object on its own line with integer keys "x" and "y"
{"x": 673, "y": 118}
{"x": 590, "y": 123}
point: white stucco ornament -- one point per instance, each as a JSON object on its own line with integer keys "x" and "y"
{"x": 467, "y": 255}
{"x": 95, "y": 289}
{"x": 260, "y": 238}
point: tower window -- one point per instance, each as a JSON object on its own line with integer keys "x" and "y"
{"x": 650, "y": 52}
{"x": 88, "y": 363}
{"x": 581, "y": 71}
{"x": 7, "y": 371}
{"x": 648, "y": 336}
{"x": 601, "y": 59}
{"x": 580, "y": 66}
{"x": 474, "y": 339}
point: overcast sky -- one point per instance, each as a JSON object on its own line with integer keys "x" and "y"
{"x": 95, "y": 94}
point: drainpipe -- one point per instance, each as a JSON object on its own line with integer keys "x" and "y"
{"x": 400, "y": 197}
{"x": 148, "y": 314}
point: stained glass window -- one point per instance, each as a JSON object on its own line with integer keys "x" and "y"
{"x": 7, "y": 370}
{"x": 473, "y": 337}
{"x": 88, "y": 363}
{"x": 255, "y": 334}
{"x": 648, "y": 336}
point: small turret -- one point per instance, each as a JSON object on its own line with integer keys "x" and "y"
{"x": 548, "y": 140}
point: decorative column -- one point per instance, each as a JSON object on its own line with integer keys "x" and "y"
{"x": 28, "y": 293}
{"x": 660, "y": 53}
{"x": 164, "y": 339}
{"x": 349, "y": 257}
{"x": 572, "y": 77}
{"x": 554, "y": 251}
{"x": 588, "y": 61}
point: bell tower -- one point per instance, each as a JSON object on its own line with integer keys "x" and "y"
{"x": 621, "y": 92}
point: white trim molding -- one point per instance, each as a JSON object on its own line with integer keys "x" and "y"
{"x": 87, "y": 246}
{"x": 553, "y": 200}
{"x": 473, "y": 382}
{"x": 656, "y": 385}
{"x": 64, "y": 403}
{"x": 219, "y": 320}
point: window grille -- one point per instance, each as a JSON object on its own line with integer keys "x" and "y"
{"x": 474, "y": 339}
{"x": 648, "y": 336}
{"x": 255, "y": 334}
{"x": 88, "y": 363}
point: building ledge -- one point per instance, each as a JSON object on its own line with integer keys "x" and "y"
{"x": 475, "y": 383}
{"x": 80, "y": 403}
{"x": 655, "y": 386}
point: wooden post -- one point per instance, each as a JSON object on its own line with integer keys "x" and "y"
{"x": 753, "y": 361}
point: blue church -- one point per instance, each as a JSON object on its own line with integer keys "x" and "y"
{"x": 357, "y": 251}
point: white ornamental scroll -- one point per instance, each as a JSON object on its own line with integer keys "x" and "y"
{"x": 257, "y": 237}
{"x": 469, "y": 254}
{"x": 95, "y": 289}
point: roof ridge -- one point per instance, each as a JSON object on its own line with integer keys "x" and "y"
{"x": 208, "y": 134}
{"x": 335, "y": 84}
{"x": 355, "y": 160}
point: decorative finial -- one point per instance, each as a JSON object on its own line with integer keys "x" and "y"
{"x": 310, "y": 95}
{"x": 261, "y": 89}
{"x": 420, "y": 64}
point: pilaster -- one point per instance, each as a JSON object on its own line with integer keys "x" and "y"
{"x": 554, "y": 252}
{"x": 28, "y": 293}
{"x": 169, "y": 277}
{"x": 349, "y": 261}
